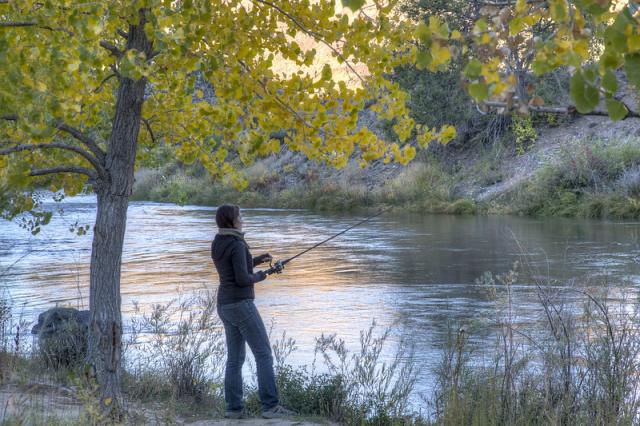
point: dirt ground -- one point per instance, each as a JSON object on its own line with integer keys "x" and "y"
{"x": 255, "y": 422}
{"x": 35, "y": 403}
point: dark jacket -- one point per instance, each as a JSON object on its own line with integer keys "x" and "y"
{"x": 234, "y": 264}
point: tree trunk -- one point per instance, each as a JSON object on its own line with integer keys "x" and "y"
{"x": 105, "y": 329}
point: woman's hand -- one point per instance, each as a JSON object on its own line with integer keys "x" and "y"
{"x": 263, "y": 258}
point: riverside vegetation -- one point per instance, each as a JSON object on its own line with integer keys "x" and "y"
{"x": 589, "y": 178}
{"x": 578, "y": 364}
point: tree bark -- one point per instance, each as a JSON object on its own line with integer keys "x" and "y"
{"x": 105, "y": 329}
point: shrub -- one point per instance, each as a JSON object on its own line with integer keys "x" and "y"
{"x": 523, "y": 132}
{"x": 587, "y": 179}
{"x": 629, "y": 182}
{"x": 184, "y": 350}
{"x": 581, "y": 367}
{"x": 354, "y": 387}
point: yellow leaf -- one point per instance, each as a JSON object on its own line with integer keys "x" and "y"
{"x": 440, "y": 55}
{"x": 499, "y": 88}
{"x": 633, "y": 43}
{"x": 73, "y": 66}
{"x": 521, "y": 6}
{"x": 108, "y": 401}
{"x": 447, "y": 134}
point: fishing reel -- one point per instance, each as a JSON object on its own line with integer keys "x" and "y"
{"x": 276, "y": 268}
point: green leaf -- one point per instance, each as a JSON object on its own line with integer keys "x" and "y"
{"x": 558, "y": 12}
{"x": 353, "y": 4}
{"x": 516, "y": 25}
{"x": 610, "y": 60}
{"x": 423, "y": 59}
{"x": 632, "y": 68}
{"x": 614, "y": 37}
{"x": 326, "y": 73}
{"x": 584, "y": 94}
{"x": 595, "y": 7}
{"x": 481, "y": 25}
{"x": 616, "y": 109}
{"x": 473, "y": 69}
{"x": 610, "y": 82}
{"x": 423, "y": 34}
{"x": 590, "y": 73}
{"x": 479, "y": 91}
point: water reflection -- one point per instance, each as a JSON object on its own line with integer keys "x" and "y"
{"x": 417, "y": 271}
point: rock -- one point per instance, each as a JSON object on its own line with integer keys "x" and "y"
{"x": 62, "y": 336}
{"x": 55, "y": 320}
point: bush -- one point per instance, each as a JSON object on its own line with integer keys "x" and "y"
{"x": 582, "y": 367}
{"x": 587, "y": 179}
{"x": 439, "y": 98}
{"x": 523, "y": 133}
{"x": 184, "y": 352}
{"x": 629, "y": 182}
{"x": 356, "y": 388}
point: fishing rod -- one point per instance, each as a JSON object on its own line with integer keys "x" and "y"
{"x": 279, "y": 265}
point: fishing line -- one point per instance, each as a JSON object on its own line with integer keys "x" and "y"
{"x": 279, "y": 265}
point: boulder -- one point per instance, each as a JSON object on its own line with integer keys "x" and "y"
{"x": 62, "y": 336}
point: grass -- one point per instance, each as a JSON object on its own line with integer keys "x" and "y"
{"x": 422, "y": 187}
{"x": 582, "y": 368}
{"x": 588, "y": 179}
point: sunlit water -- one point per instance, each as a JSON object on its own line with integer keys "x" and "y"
{"x": 417, "y": 272}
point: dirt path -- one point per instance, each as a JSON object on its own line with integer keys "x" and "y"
{"x": 38, "y": 403}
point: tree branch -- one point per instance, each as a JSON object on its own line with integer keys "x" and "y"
{"x": 280, "y": 135}
{"x": 55, "y": 145}
{"x": 102, "y": 83}
{"x": 88, "y": 141}
{"x": 318, "y": 37}
{"x": 147, "y": 124}
{"x": 570, "y": 109}
{"x": 18, "y": 24}
{"x": 280, "y": 102}
{"x": 111, "y": 48}
{"x": 63, "y": 169}
{"x": 32, "y": 24}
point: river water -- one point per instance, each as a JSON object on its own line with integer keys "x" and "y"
{"x": 416, "y": 272}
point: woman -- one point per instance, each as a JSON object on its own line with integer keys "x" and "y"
{"x": 242, "y": 322}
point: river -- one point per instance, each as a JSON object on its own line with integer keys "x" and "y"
{"x": 417, "y": 272}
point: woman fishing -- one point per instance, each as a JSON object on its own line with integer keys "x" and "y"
{"x": 241, "y": 320}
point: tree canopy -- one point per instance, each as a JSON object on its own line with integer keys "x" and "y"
{"x": 593, "y": 39}
{"x": 62, "y": 61}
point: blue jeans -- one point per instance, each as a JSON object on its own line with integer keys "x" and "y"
{"x": 242, "y": 323}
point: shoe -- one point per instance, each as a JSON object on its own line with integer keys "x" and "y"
{"x": 234, "y": 415}
{"x": 277, "y": 412}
